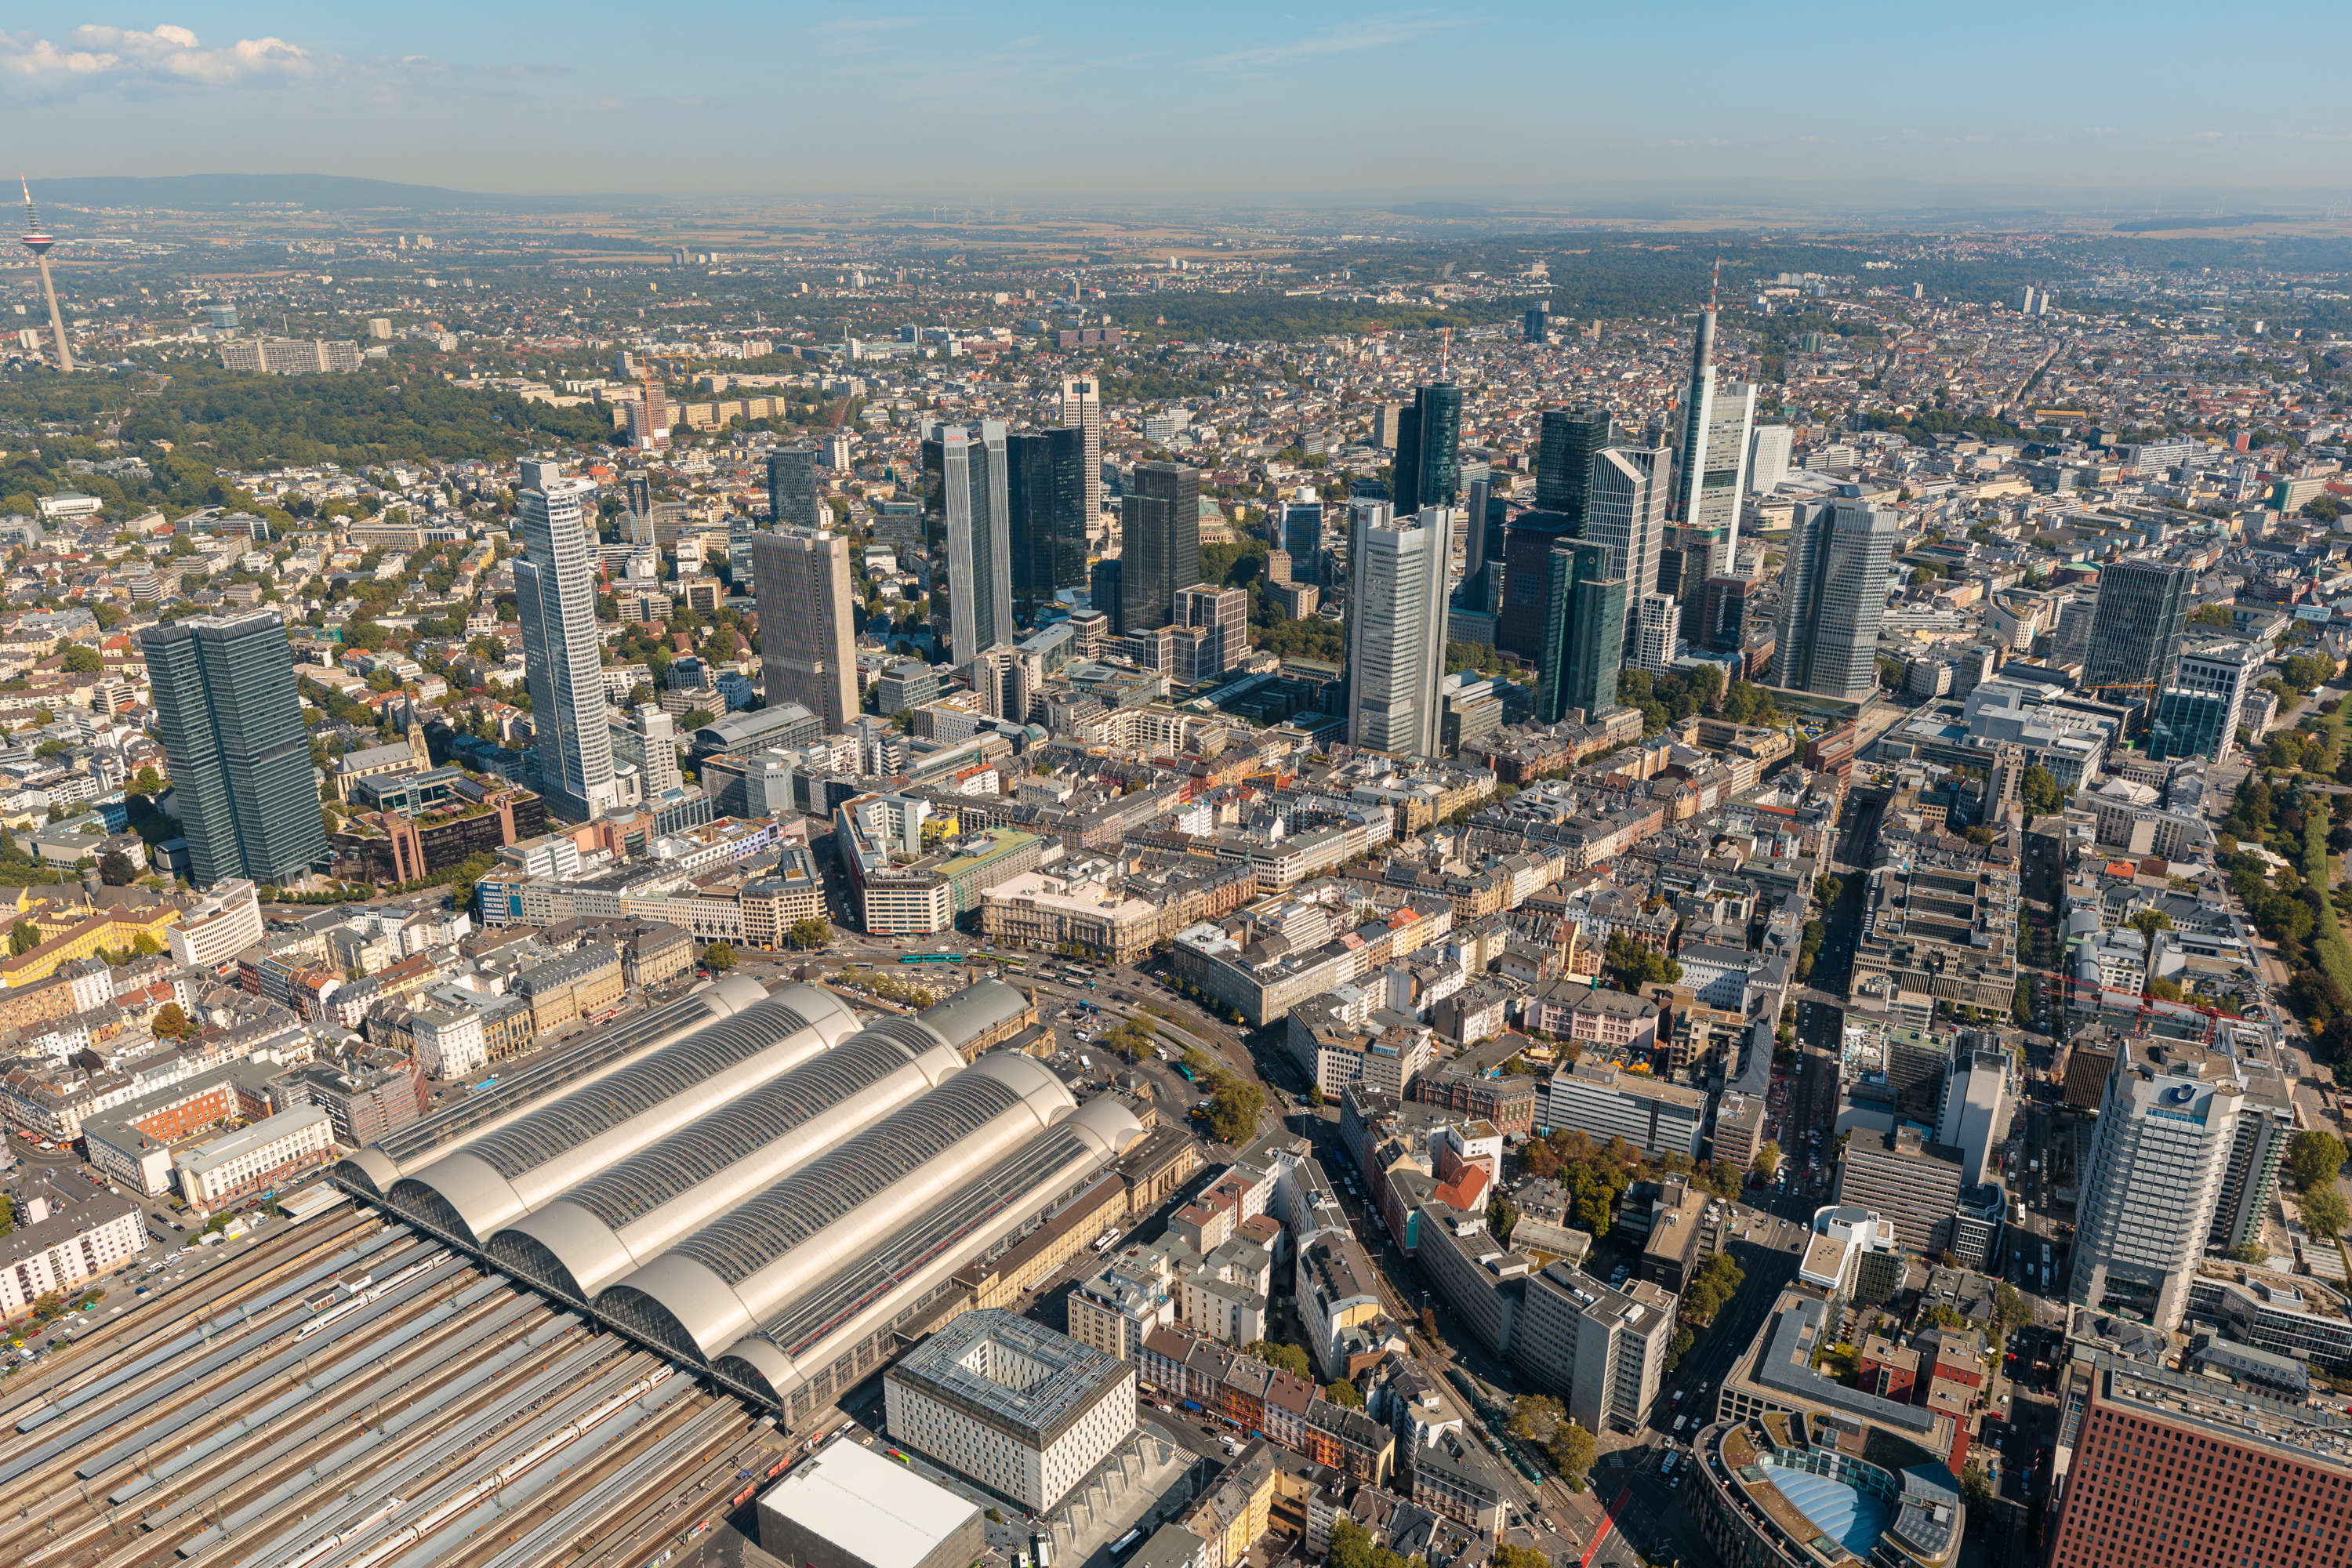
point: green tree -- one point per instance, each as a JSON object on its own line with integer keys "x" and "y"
{"x": 1282, "y": 1357}
{"x": 1572, "y": 1452}
{"x": 1511, "y": 1554}
{"x": 718, "y": 957}
{"x": 2315, "y": 1157}
{"x": 1767, "y": 1161}
{"x": 1535, "y": 1417}
{"x": 812, "y": 932}
{"x": 2325, "y": 1213}
{"x": 2038, "y": 788}
{"x": 171, "y": 1023}
{"x": 23, "y": 938}
{"x": 80, "y": 659}
{"x": 115, "y": 869}
{"x": 1976, "y": 1488}
{"x": 1501, "y": 1217}
{"x": 1344, "y": 1393}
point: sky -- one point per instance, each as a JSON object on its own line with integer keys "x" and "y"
{"x": 1213, "y": 101}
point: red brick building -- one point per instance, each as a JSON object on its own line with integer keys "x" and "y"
{"x": 2162, "y": 1474}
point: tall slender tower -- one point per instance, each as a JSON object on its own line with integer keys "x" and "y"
{"x": 802, "y": 576}
{"x": 1712, "y": 478}
{"x": 555, "y": 600}
{"x": 1082, "y": 407}
{"x": 37, "y": 240}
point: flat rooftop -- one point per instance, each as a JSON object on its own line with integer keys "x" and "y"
{"x": 885, "y": 1512}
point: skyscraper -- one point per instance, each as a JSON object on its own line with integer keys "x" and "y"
{"x": 2168, "y": 1125}
{"x": 1656, "y": 620}
{"x": 1160, "y": 544}
{"x": 792, "y": 490}
{"x": 1583, "y": 631}
{"x": 1627, "y": 512}
{"x": 1569, "y": 439}
{"x": 1082, "y": 410}
{"x": 1048, "y": 495}
{"x": 1103, "y": 592}
{"x": 1535, "y": 325}
{"x": 1832, "y": 597}
{"x": 555, "y": 597}
{"x": 37, "y": 240}
{"x": 238, "y": 751}
{"x": 2197, "y": 712}
{"x": 1768, "y": 458}
{"x": 802, "y": 577}
{"x": 1221, "y": 617}
{"x": 1429, "y": 449}
{"x": 1711, "y": 473}
{"x": 975, "y": 515}
{"x": 1396, "y": 632}
{"x": 2137, "y": 624}
{"x": 1299, "y": 529}
{"x": 1526, "y": 562}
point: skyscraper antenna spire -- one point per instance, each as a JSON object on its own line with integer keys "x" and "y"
{"x": 1444, "y": 352}
{"x": 1716, "y": 282}
{"x": 37, "y": 240}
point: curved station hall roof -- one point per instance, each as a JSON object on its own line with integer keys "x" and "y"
{"x": 756, "y": 1184}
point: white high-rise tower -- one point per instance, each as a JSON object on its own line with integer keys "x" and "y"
{"x": 555, "y": 598}
{"x": 1396, "y": 631}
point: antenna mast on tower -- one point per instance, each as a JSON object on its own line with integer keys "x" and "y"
{"x": 37, "y": 240}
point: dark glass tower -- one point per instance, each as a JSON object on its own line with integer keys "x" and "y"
{"x": 1102, "y": 587}
{"x": 2137, "y": 624}
{"x": 1583, "y": 631}
{"x": 1048, "y": 495}
{"x": 791, "y": 486}
{"x": 1526, "y": 552}
{"x": 1429, "y": 449}
{"x": 238, "y": 751}
{"x": 1564, "y": 453}
{"x": 1160, "y": 544}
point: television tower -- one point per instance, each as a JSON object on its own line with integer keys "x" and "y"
{"x": 38, "y": 241}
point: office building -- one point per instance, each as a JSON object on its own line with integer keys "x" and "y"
{"x": 1024, "y": 1411}
{"x": 2167, "y": 1130}
{"x": 239, "y": 753}
{"x": 1906, "y": 1179}
{"x": 1082, "y": 412}
{"x": 1535, "y": 326}
{"x": 2158, "y": 1469}
{"x": 1655, "y": 643}
{"x": 2137, "y": 624}
{"x": 1975, "y": 1115}
{"x": 847, "y": 1507}
{"x": 1221, "y": 617}
{"x": 1768, "y": 458}
{"x": 1604, "y": 1100}
{"x": 1103, "y": 593}
{"x": 1299, "y": 533}
{"x": 1626, "y": 511}
{"x": 1584, "y": 608}
{"x": 791, "y": 488}
{"x": 1832, "y": 597}
{"x": 967, "y": 489}
{"x": 555, "y": 596}
{"x": 1602, "y": 1351}
{"x": 1428, "y": 470}
{"x": 1527, "y": 546}
{"x": 1387, "y": 420}
{"x": 1160, "y": 544}
{"x": 1048, "y": 495}
{"x": 1569, "y": 440}
{"x": 1396, "y": 632}
{"x": 1711, "y": 468}
{"x": 806, "y": 636}
{"x": 1485, "y": 528}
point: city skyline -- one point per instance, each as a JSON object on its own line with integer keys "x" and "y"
{"x": 462, "y": 99}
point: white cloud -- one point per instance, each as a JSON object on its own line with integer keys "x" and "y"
{"x": 1347, "y": 38}
{"x": 94, "y": 57}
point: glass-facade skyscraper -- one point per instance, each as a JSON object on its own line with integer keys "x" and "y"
{"x": 2137, "y": 624}
{"x": 806, "y": 653}
{"x": 1833, "y": 597}
{"x": 791, "y": 486}
{"x": 239, "y": 753}
{"x": 1160, "y": 544}
{"x": 1429, "y": 449}
{"x": 1583, "y": 631}
{"x": 1526, "y": 556}
{"x": 967, "y": 489}
{"x": 1048, "y": 495}
{"x": 1627, "y": 512}
{"x": 1565, "y": 447}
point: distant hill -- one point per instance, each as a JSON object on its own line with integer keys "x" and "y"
{"x": 316, "y": 192}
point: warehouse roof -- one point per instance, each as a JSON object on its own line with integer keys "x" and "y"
{"x": 887, "y": 1514}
